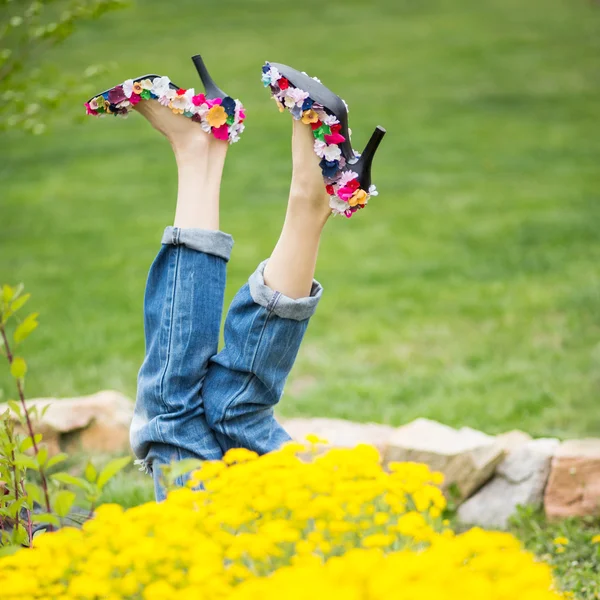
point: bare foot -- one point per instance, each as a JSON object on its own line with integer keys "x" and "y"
{"x": 183, "y": 133}
{"x": 307, "y": 192}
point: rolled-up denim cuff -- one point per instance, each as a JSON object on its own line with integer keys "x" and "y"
{"x": 202, "y": 240}
{"x": 277, "y": 303}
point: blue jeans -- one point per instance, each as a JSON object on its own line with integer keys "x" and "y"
{"x": 192, "y": 400}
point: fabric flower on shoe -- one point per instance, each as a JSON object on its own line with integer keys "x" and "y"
{"x": 137, "y": 87}
{"x": 183, "y": 101}
{"x": 229, "y": 105}
{"x": 334, "y": 138}
{"x": 134, "y": 99}
{"x": 319, "y": 148}
{"x": 309, "y": 116}
{"x": 283, "y": 83}
{"x": 359, "y": 197}
{"x": 347, "y": 177}
{"x": 295, "y": 96}
{"x": 146, "y": 84}
{"x": 221, "y": 133}
{"x": 216, "y": 116}
{"x": 127, "y": 88}
{"x": 332, "y": 153}
{"x": 338, "y": 206}
{"x": 118, "y": 94}
{"x": 329, "y": 167}
{"x": 89, "y": 110}
{"x": 270, "y": 77}
{"x": 198, "y": 99}
{"x": 160, "y": 86}
{"x": 307, "y": 104}
{"x": 373, "y": 190}
{"x": 296, "y": 112}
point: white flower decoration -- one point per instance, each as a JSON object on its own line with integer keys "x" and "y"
{"x": 332, "y": 152}
{"x": 183, "y": 102}
{"x": 373, "y": 191}
{"x": 295, "y": 94}
{"x": 330, "y": 120}
{"x": 146, "y": 84}
{"x": 337, "y": 206}
{"x": 320, "y": 147}
{"x": 160, "y": 86}
{"x": 346, "y": 177}
{"x": 128, "y": 88}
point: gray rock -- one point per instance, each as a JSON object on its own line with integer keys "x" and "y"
{"x": 520, "y": 480}
{"x": 340, "y": 433}
{"x": 465, "y": 456}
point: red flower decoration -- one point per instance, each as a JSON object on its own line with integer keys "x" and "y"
{"x": 181, "y": 92}
{"x": 336, "y": 128}
{"x": 283, "y": 83}
{"x": 198, "y": 99}
{"x": 330, "y": 190}
{"x": 316, "y": 125}
{"x": 135, "y": 98}
{"x": 353, "y": 185}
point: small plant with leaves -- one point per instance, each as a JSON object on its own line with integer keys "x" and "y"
{"x": 32, "y": 495}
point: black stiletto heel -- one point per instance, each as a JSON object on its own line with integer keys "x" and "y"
{"x": 214, "y": 110}
{"x": 347, "y": 174}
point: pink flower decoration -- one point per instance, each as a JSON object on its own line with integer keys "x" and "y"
{"x": 242, "y": 114}
{"x": 334, "y": 138}
{"x": 221, "y": 133}
{"x": 89, "y": 110}
{"x": 135, "y": 98}
{"x": 198, "y": 99}
{"x": 345, "y": 193}
{"x": 214, "y": 102}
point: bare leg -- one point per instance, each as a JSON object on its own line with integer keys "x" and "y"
{"x": 200, "y": 160}
{"x": 291, "y": 268}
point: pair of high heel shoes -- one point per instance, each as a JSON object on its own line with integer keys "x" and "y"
{"x": 346, "y": 173}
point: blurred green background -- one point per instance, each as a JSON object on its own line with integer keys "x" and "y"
{"x": 469, "y": 290}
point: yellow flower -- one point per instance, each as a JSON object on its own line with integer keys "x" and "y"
{"x": 359, "y": 197}
{"x": 563, "y": 541}
{"x": 311, "y": 438}
{"x": 216, "y": 116}
{"x": 309, "y": 116}
{"x": 596, "y": 539}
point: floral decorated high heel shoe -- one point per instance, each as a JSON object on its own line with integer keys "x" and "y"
{"x": 213, "y": 110}
{"x": 347, "y": 174}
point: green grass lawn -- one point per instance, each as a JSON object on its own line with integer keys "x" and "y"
{"x": 468, "y": 292}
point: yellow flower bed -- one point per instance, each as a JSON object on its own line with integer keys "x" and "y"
{"x": 334, "y": 527}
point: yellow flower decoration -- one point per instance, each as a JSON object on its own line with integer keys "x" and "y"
{"x": 561, "y": 541}
{"x": 216, "y": 116}
{"x": 137, "y": 87}
{"x": 359, "y": 197}
{"x": 280, "y": 106}
{"x": 309, "y": 116}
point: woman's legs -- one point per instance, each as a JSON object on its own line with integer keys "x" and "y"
{"x": 183, "y": 305}
{"x": 268, "y": 317}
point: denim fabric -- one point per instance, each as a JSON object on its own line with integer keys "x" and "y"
{"x": 193, "y": 402}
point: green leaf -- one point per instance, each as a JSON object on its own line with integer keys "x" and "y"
{"x": 63, "y": 501}
{"x": 19, "y": 303}
{"x": 45, "y": 518}
{"x": 28, "y": 442}
{"x": 26, "y": 327}
{"x": 111, "y": 469}
{"x": 34, "y": 492}
{"x": 56, "y": 460}
{"x": 15, "y": 407}
{"x": 90, "y": 472}
{"x": 42, "y": 456}
{"x": 15, "y": 507}
{"x": 71, "y": 480}
{"x": 26, "y": 462}
{"x": 18, "y": 368}
{"x": 7, "y": 293}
